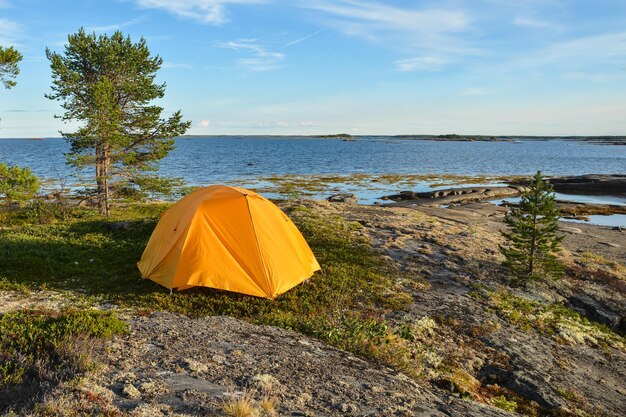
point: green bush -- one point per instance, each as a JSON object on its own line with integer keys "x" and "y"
{"x": 45, "y": 212}
{"x": 40, "y": 348}
{"x": 17, "y": 184}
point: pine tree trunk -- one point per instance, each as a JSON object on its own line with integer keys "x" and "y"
{"x": 106, "y": 159}
{"x": 531, "y": 251}
{"x": 99, "y": 179}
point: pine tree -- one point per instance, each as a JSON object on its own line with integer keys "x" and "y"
{"x": 532, "y": 238}
{"x": 107, "y": 84}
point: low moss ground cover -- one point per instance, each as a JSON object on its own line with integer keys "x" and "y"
{"x": 564, "y": 324}
{"x": 39, "y": 349}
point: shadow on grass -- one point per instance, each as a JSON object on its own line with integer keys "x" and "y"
{"x": 85, "y": 255}
{"x": 94, "y": 259}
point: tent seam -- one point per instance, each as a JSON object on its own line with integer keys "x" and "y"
{"x": 258, "y": 246}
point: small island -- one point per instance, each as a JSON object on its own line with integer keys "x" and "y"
{"x": 342, "y": 136}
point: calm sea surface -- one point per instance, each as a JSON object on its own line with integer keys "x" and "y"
{"x": 217, "y": 160}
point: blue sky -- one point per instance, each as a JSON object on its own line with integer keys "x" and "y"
{"x": 553, "y": 67}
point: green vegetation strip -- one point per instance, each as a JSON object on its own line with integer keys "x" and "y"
{"x": 293, "y": 185}
{"x": 39, "y": 349}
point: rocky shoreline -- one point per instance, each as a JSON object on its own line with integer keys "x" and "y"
{"x": 593, "y": 184}
{"x": 453, "y": 195}
{"x": 612, "y": 185}
{"x": 174, "y": 364}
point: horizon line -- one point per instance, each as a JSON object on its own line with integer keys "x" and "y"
{"x": 450, "y": 136}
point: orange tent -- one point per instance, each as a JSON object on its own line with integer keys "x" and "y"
{"x": 227, "y": 238}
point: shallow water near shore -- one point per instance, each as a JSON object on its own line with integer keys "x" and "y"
{"x": 597, "y": 219}
{"x": 594, "y": 199}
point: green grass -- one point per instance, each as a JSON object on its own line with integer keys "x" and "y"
{"x": 80, "y": 254}
{"x": 84, "y": 254}
{"x": 39, "y": 349}
{"x": 344, "y": 305}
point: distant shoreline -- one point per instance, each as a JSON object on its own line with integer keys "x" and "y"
{"x": 600, "y": 140}
{"x": 420, "y": 137}
{"x": 606, "y": 140}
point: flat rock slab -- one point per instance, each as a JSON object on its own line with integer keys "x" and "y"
{"x": 597, "y": 312}
{"x": 596, "y": 184}
{"x": 472, "y": 213}
{"x": 453, "y": 195}
{"x": 572, "y": 230}
{"x": 343, "y": 198}
{"x": 197, "y": 364}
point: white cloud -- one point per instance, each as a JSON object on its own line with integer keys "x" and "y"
{"x": 526, "y": 4}
{"x": 203, "y": 11}
{"x": 597, "y": 49}
{"x": 375, "y": 15}
{"x": 535, "y": 23}
{"x": 594, "y": 77}
{"x": 304, "y": 38}
{"x": 204, "y": 123}
{"x": 606, "y": 46}
{"x": 259, "y": 58}
{"x": 429, "y": 31}
{"x": 115, "y": 26}
{"x": 569, "y": 59}
{"x": 421, "y": 63}
{"x": 9, "y": 31}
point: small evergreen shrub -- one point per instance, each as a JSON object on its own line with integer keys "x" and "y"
{"x": 532, "y": 238}
{"x": 17, "y": 184}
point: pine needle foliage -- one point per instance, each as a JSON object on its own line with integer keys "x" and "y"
{"x": 17, "y": 184}
{"x": 532, "y": 239}
{"x": 9, "y": 69}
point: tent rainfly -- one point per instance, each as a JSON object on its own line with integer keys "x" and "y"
{"x": 227, "y": 238}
